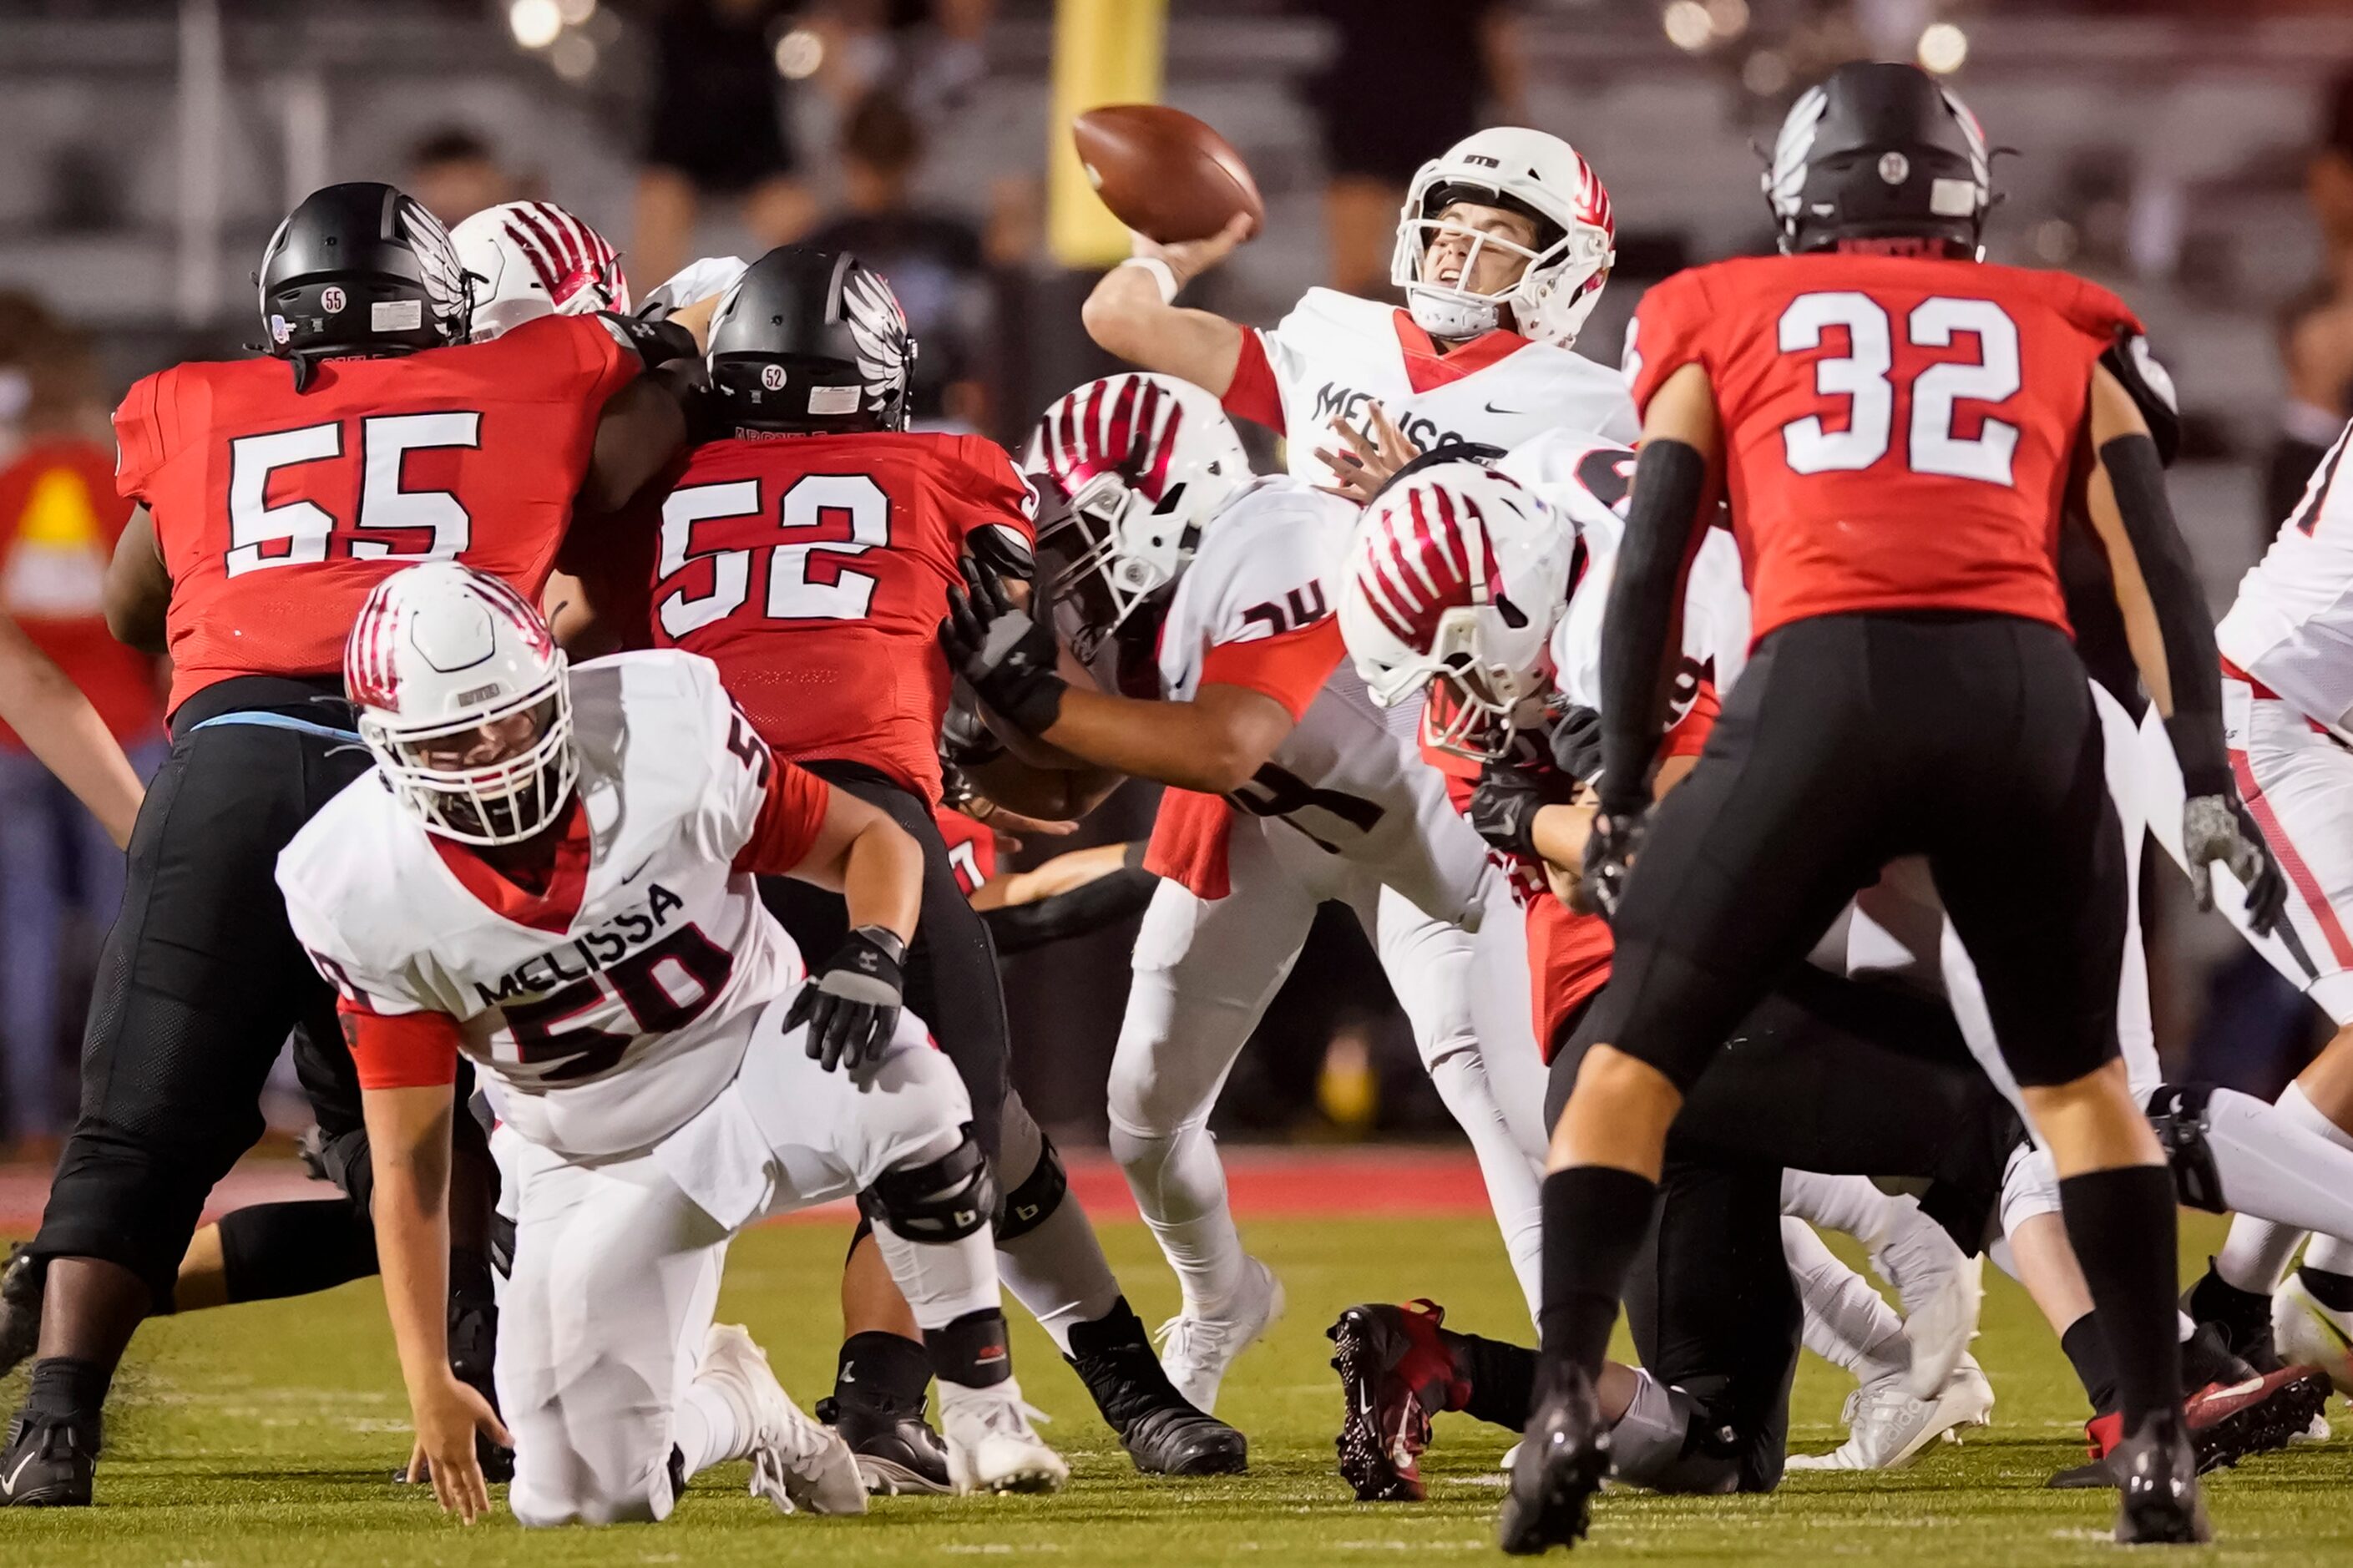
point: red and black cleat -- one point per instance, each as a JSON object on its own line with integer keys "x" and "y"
{"x": 1395, "y": 1371}
{"x": 2227, "y": 1423}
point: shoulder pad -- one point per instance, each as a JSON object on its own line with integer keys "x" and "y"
{"x": 2128, "y": 360}
{"x": 655, "y": 342}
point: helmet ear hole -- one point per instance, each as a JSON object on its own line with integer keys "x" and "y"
{"x": 1170, "y": 501}
{"x": 1513, "y": 616}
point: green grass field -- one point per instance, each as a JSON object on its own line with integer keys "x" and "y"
{"x": 265, "y": 1436}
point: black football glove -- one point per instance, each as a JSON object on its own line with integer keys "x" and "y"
{"x": 1576, "y": 743}
{"x": 1003, "y": 655}
{"x": 1504, "y": 807}
{"x": 851, "y": 1006}
{"x": 1610, "y": 846}
{"x": 2218, "y": 828}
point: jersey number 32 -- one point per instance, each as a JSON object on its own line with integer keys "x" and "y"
{"x": 1861, "y": 377}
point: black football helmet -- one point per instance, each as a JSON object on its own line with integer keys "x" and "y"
{"x": 810, "y": 341}
{"x": 360, "y": 269}
{"x": 1880, "y": 151}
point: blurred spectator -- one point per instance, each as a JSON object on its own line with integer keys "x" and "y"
{"x": 718, "y": 130}
{"x": 2317, "y": 329}
{"x": 455, "y": 175}
{"x": 933, "y": 51}
{"x": 1409, "y": 80}
{"x": 932, "y": 260}
{"x": 59, "y": 518}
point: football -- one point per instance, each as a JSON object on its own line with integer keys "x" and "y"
{"x": 1163, "y": 173}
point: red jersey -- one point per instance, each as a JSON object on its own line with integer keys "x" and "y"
{"x": 59, "y": 518}
{"x": 277, "y": 511}
{"x": 972, "y": 848}
{"x": 1899, "y": 432}
{"x": 814, "y": 571}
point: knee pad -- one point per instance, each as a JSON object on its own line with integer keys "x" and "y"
{"x": 2030, "y": 1187}
{"x": 940, "y": 1200}
{"x": 1666, "y": 1442}
{"x": 2178, "y": 1113}
{"x": 1040, "y": 1194}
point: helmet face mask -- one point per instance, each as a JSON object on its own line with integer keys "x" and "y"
{"x": 1563, "y": 264}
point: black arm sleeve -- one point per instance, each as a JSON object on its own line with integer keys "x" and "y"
{"x": 1018, "y": 928}
{"x": 2182, "y": 619}
{"x": 655, "y": 342}
{"x": 1670, "y": 480}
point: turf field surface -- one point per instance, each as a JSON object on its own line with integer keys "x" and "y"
{"x": 264, "y": 1435}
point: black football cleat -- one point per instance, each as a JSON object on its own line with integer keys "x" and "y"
{"x": 1163, "y": 1433}
{"x": 1394, "y": 1372}
{"x": 21, "y": 1284}
{"x": 2244, "y": 1318}
{"x": 1562, "y": 1461}
{"x": 2156, "y": 1475}
{"x": 473, "y": 1345}
{"x": 895, "y": 1447}
{"x": 49, "y": 1463}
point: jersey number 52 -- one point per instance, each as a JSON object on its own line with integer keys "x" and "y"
{"x": 806, "y": 582}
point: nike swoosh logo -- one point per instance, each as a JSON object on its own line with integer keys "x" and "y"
{"x": 638, "y": 872}
{"x": 1508, "y": 412}
{"x": 8, "y": 1483}
{"x": 2236, "y": 1389}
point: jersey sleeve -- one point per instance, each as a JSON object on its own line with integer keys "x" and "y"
{"x": 404, "y": 1050}
{"x": 2095, "y": 312}
{"x": 1290, "y": 666}
{"x": 792, "y": 811}
{"x": 741, "y": 814}
{"x": 1270, "y": 628}
{"x": 994, "y": 492}
{"x": 608, "y": 361}
{"x": 1255, "y": 394}
{"x": 138, "y": 437}
{"x": 1668, "y": 332}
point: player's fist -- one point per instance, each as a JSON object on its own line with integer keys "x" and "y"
{"x": 1576, "y": 743}
{"x": 1609, "y": 849}
{"x": 1503, "y": 809}
{"x": 851, "y": 1006}
{"x": 1006, "y": 658}
{"x": 1190, "y": 257}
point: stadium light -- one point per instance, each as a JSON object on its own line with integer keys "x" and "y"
{"x": 1944, "y": 47}
{"x": 577, "y": 12}
{"x": 1727, "y": 18}
{"x": 798, "y": 54}
{"x": 536, "y": 23}
{"x": 1689, "y": 26}
{"x": 574, "y": 57}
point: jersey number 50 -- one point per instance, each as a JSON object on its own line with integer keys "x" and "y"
{"x": 1860, "y": 376}
{"x": 794, "y": 593}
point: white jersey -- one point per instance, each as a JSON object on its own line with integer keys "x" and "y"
{"x": 1343, "y": 776}
{"x": 602, "y": 1027}
{"x": 2292, "y": 625}
{"x": 1334, "y": 352}
{"x": 1585, "y": 478}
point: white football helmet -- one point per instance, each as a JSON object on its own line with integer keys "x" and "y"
{"x": 1576, "y": 239}
{"x": 1454, "y": 581}
{"x": 438, "y": 652}
{"x": 1128, "y": 470}
{"x": 532, "y": 259}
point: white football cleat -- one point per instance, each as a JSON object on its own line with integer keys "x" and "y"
{"x": 1887, "y": 1428}
{"x": 1197, "y": 1349}
{"x": 2309, "y": 1335}
{"x": 797, "y": 1462}
{"x": 992, "y": 1447}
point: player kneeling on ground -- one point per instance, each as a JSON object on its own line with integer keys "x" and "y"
{"x": 552, "y": 873}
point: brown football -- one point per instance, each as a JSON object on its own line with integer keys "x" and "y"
{"x": 1163, "y": 173}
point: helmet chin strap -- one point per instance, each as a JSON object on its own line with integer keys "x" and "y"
{"x": 1446, "y": 316}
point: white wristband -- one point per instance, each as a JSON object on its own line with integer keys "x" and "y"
{"x": 1162, "y": 274}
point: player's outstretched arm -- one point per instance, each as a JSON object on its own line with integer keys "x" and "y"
{"x": 2172, "y": 636}
{"x": 408, "y": 1141}
{"x": 62, "y": 730}
{"x": 1133, "y": 311}
{"x": 641, "y": 428}
{"x": 138, "y": 590}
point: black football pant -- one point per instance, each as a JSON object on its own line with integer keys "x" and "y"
{"x": 200, "y": 980}
{"x": 951, "y": 966}
{"x": 1849, "y": 741}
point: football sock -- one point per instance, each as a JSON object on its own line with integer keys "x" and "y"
{"x": 273, "y": 1250}
{"x": 1847, "y": 1322}
{"x": 1510, "y": 1175}
{"x": 2256, "y": 1251}
{"x": 66, "y": 1388}
{"x": 2096, "y": 1369}
{"x": 1056, "y": 1269}
{"x": 2274, "y": 1165}
{"x": 1594, "y": 1220}
{"x": 1501, "y": 1378}
{"x": 1848, "y": 1204}
{"x": 711, "y": 1425}
{"x": 942, "y": 1281}
{"x": 970, "y": 1352}
{"x": 1180, "y": 1188}
{"x": 2122, "y": 1224}
{"x": 877, "y": 1367}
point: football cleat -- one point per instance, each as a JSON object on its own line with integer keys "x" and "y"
{"x": 1942, "y": 1320}
{"x": 2226, "y": 1423}
{"x": 21, "y": 1285}
{"x": 1394, "y": 1372}
{"x": 895, "y": 1447}
{"x": 1196, "y": 1349}
{"x": 1887, "y": 1428}
{"x": 795, "y": 1462}
{"x": 1163, "y": 1434}
{"x": 1563, "y": 1459}
{"x": 2304, "y": 1328}
{"x": 2244, "y": 1318}
{"x": 49, "y": 1463}
{"x": 2158, "y": 1478}
{"x": 992, "y": 1446}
